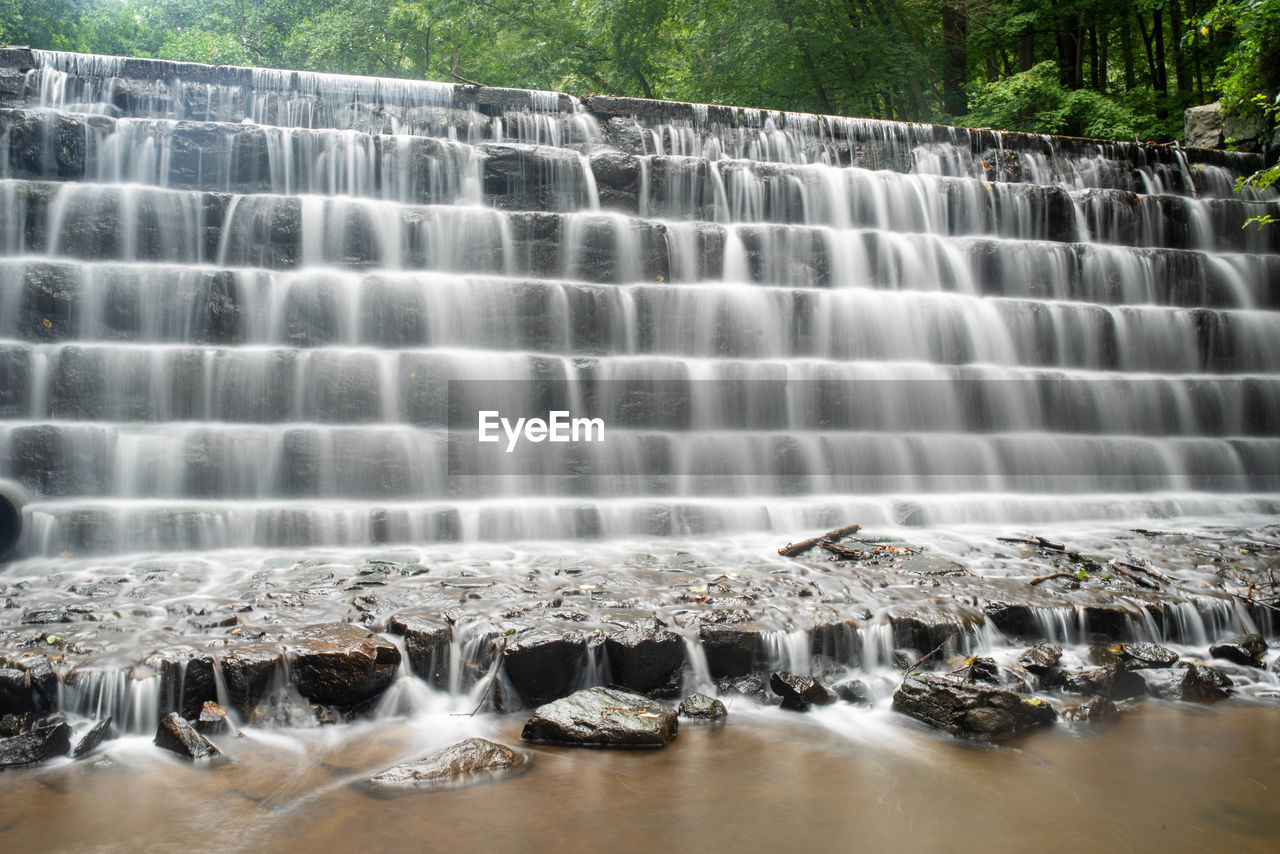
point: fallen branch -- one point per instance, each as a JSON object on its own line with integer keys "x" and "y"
{"x": 1116, "y": 566}
{"x": 1035, "y": 541}
{"x": 793, "y": 549}
{"x": 843, "y": 551}
{"x": 1137, "y": 567}
{"x": 930, "y": 654}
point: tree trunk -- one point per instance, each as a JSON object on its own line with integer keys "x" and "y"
{"x": 955, "y": 35}
{"x": 1026, "y": 49}
{"x": 1095, "y": 80}
{"x": 1126, "y": 55}
{"x": 1069, "y": 52}
{"x": 1181, "y": 69}
{"x": 1162, "y": 68}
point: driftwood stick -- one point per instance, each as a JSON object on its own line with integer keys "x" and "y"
{"x": 842, "y": 551}
{"x": 930, "y": 654}
{"x": 1133, "y": 576}
{"x": 1160, "y": 576}
{"x": 793, "y": 549}
{"x": 1035, "y": 541}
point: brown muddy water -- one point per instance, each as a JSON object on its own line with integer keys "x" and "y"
{"x": 1163, "y": 778}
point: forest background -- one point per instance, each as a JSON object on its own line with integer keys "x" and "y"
{"x": 1120, "y": 69}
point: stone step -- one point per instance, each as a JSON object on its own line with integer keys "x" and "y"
{"x": 45, "y": 301}
{"x": 200, "y": 92}
{"x": 209, "y": 461}
{"x": 126, "y": 223}
{"x": 98, "y": 526}
{"x": 105, "y": 382}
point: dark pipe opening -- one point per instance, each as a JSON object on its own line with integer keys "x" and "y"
{"x": 11, "y": 501}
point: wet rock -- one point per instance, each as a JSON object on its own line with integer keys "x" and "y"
{"x": 854, "y": 691}
{"x": 1144, "y": 655}
{"x": 475, "y": 760}
{"x": 187, "y": 681}
{"x": 1141, "y": 655}
{"x": 342, "y": 665}
{"x": 95, "y": 735}
{"x": 1114, "y": 682}
{"x": 1105, "y": 622}
{"x": 427, "y": 641}
{"x": 798, "y": 693}
{"x": 700, "y": 707}
{"x": 177, "y": 735}
{"x": 287, "y": 708}
{"x": 544, "y": 664}
{"x": 248, "y": 673}
{"x": 15, "y": 692}
{"x": 1041, "y": 658}
{"x": 17, "y": 724}
{"x": 968, "y": 709}
{"x": 42, "y": 679}
{"x": 213, "y": 719}
{"x": 37, "y": 745}
{"x": 1013, "y": 619}
{"x": 732, "y": 649}
{"x": 648, "y": 660}
{"x": 910, "y": 659}
{"x": 603, "y": 717}
{"x": 1195, "y": 683}
{"x": 754, "y": 685}
{"x": 1092, "y": 709}
{"x": 926, "y": 629}
{"x": 1240, "y": 649}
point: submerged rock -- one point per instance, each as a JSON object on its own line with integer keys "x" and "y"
{"x": 603, "y": 717}
{"x": 1240, "y": 649}
{"x": 700, "y": 707}
{"x": 854, "y": 691}
{"x": 1092, "y": 709}
{"x": 967, "y": 709}
{"x": 1041, "y": 658}
{"x": 798, "y": 693}
{"x": 342, "y": 665}
{"x": 177, "y": 735}
{"x": 475, "y": 760}
{"x": 40, "y": 744}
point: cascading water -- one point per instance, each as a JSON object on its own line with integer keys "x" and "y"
{"x": 231, "y": 300}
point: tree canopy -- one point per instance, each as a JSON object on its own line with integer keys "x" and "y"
{"x": 1109, "y": 68}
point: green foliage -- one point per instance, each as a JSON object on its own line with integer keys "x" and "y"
{"x": 1035, "y": 101}
{"x": 1094, "y": 67}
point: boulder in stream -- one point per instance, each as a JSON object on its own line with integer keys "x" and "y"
{"x": 93, "y": 737}
{"x": 1041, "y": 658}
{"x": 248, "y": 673}
{"x": 1115, "y": 682}
{"x": 475, "y": 760}
{"x": 798, "y": 693}
{"x": 44, "y": 742}
{"x": 969, "y": 709}
{"x": 1193, "y": 683}
{"x": 427, "y": 640}
{"x": 1246, "y": 649}
{"x": 700, "y": 707}
{"x": 544, "y": 664}
{"x": 603, "y": 717}
{"x": 854, "y": 691}
{"x": 1092, "y": 709}
{"x": 177, "y": 735}
{"x": 646, "y": 659}
{"x": 341, "y": 664}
